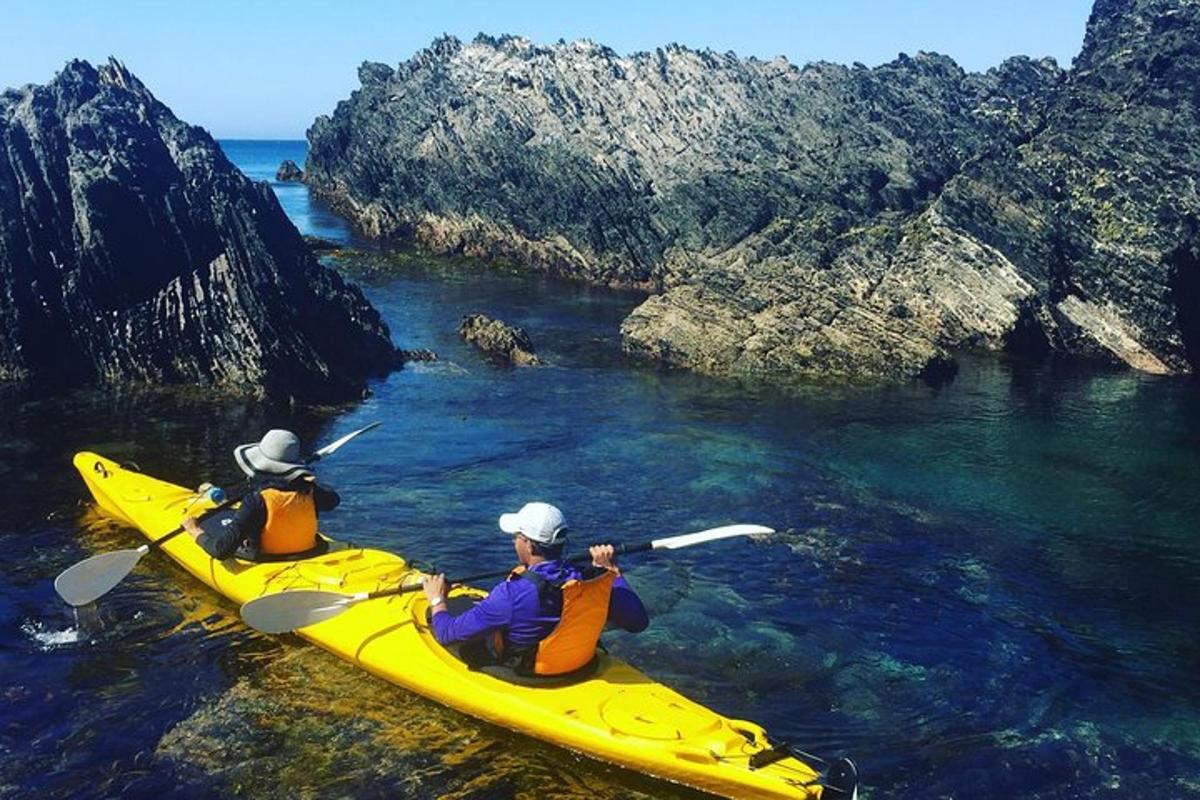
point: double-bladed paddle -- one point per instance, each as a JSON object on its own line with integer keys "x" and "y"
{"x": 298, "y": 608}
{"x": 92, "y": 578}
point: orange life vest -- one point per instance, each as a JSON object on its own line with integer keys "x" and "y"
{"x": 291, "y": 525}
{"x": 572, "y": 643}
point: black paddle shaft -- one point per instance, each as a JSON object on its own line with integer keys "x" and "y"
{"x": 618, "y": 550}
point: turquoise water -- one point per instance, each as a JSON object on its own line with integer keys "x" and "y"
{"x": 988, "y": 589}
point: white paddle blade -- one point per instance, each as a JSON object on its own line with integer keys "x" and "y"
{"x": 288, "y": 611}
{"x": 333, "y": 446}
{"x": 92, "y": 578}
{"x": 710, "y": 535}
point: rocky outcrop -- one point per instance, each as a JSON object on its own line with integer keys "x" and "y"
{"x": 317, "y": 244}
{"x": 132, "y": 250}
{"x": 816, "y": 220}
{"x": 498, "y": 340}
{"x": 289, "y": 171}
{"x": 420, "y": 355}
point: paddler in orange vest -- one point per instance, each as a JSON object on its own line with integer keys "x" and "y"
{"x": 277, "y": 519}
{"x": 547, "y": 617}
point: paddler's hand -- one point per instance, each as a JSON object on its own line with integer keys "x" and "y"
{"x": 192, "y": 526}
{"x": 602, "y": 557}
{"x": 434, "y": 587}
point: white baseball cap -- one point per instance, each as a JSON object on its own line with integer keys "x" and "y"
{"x": 539, "y": 522}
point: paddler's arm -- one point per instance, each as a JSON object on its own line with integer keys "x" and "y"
{"x": 490, "y": 613}
{"x": 324, "y": 498}
{"x": 246, "y": 524}
{"x": 625, "y": 608}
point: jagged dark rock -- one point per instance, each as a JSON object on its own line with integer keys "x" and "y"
{"x": 132, "y": 250}
{"x": 289, "y": 171}
{"x": 498, "y": 340}
{"x": 422, "y": 354}
{"x": 825, "y": 219}
{"x": 316, "y": 244}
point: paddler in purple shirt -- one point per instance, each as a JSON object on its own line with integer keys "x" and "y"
{"x": 522, "y": 611}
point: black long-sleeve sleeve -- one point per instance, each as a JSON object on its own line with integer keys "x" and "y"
{"x": 324, "y": 498}
{"x": 245, "y": 525}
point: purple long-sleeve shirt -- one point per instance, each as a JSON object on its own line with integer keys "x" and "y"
{"x": 513, "y": 607}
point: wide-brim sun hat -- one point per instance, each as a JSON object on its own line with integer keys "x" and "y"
{"x": 277, "y": 454}
{"x": 538, "y": 522}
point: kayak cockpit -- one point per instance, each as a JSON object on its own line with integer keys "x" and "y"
{"x": 477, "y": 657}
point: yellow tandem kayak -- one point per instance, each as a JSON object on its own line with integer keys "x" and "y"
{"x": 615, "y": 714}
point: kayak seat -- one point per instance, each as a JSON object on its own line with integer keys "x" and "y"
{"x": 508, "y": 674}
{"x": 321, "y": 549}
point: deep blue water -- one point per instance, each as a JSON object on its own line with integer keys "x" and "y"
{"x": 984, "y": 590}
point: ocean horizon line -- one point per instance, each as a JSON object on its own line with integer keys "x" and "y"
{"x": 254, "y": 139}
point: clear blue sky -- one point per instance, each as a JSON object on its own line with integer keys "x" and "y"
{"x": 251, "y": 69}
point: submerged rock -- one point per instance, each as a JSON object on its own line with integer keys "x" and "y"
{"x": 498, "y": 340}
{"x": 289, "y": 171}
{"x": 131, "y": 249}
{"x": 823, "y": 220}
{"x": 420, "y": 355}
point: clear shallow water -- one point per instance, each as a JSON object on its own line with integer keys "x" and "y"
{"x": 985, "y": 590}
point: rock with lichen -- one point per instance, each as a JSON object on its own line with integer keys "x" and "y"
{"x": 816, "y": 220}
{"x": 498, "y": 340}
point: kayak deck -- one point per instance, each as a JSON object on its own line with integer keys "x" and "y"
{"x": 616, "y": 714}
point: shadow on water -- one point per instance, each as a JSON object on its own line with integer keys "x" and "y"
{"x": 983, "y": 589}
